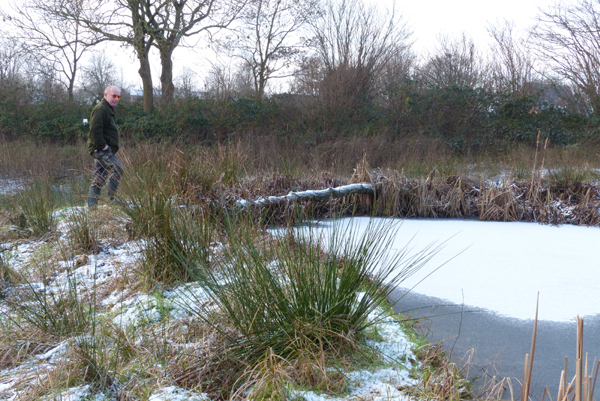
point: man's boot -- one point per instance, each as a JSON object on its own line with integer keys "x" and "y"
{"x": 93, "y": 196}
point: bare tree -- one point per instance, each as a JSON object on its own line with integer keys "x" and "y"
{"x": 454, "y": 62}
{"x": 512, "y": 65}
{"x": 143, "y": 24}
{"x": 55, "y": 42}
{"x": 169, "y": 22}
{"x": 396, "y": 72}
{"x": 186, "y": 83}
{"x": 99, "y": 73}
{"x": 353, "y": 42}
{"x": 567, "y": 39}
{"x": 395, "y": 86}
{"x": 12, "y": 58}
{"x": 224, "y": 81}
{"x": 309, "y": 76}
{"x": 218, "y": 82}
{"x": 268, "y": 40}
{"x": 119, "y": 21}
{"x": 243, "y": 81}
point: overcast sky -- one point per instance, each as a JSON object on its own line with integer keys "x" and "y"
{"x": 427, "y": 19}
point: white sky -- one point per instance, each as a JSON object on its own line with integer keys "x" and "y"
{"x": 502, "y": 266}
{"x": 430, "y": 18}
{"x": 427, "y": 18}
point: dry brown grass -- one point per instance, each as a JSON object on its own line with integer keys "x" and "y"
{"x": 418, "y": 177}
{"x": 441, "y": 379}
{"x": 28, "y": 158}
{"x": 437, "y": 196}
{"x": 18, "y": 344}
{"x": 583, "y": 384}
{"x": 500, "y": 203}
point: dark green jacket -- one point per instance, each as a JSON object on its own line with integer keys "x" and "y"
{"x": 103, "y": 128}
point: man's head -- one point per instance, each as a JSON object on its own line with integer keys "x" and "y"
{"x": 112, "y": 94}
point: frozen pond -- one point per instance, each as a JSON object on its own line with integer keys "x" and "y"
{"x": 501, "y": 267}
{"x": 483, "y": 296}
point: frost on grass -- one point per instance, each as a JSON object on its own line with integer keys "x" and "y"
{"x": 136, "y": 315}
{"x": 379, "y": 384}
{"x": 142, "y": 309}
{"x": 81, "y": 393}
{"x": 173, "y": 393}
{"x": 10, "y": 186}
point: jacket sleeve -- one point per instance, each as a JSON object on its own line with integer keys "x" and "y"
{"x": 97, "y": 128}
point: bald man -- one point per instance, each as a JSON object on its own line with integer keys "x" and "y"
{"x": 103, "y": 144}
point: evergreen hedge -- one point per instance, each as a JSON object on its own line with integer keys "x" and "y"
{"x": 464, "y": 118}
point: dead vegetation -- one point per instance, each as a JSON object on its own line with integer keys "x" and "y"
{"x": 583, "y": 384}
{"x": 192, "y": 355}
{"x": 437, "y": 196}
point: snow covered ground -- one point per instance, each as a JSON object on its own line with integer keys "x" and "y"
{"x": 502, "y": 266}
{"x": 496, "y": 266}
{"x": 10, "y": 186}
{"x": 132, "y": 310}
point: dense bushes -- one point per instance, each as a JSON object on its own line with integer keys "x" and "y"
{"x": 520, "y": 119}
{"x": 464, "y": 118}
{"x": 459, "y": 115}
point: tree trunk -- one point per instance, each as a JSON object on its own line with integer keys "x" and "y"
{"x": 166, "y": 77}
{"x": 260, "y": 93}
{"x": 70, "y": 88}
{"x": 312, "y": 195}
{"x": 142, "y": 44}
{"x": 146, "y": 76}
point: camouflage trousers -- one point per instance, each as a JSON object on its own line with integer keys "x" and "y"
{"x": 107, "y": 169}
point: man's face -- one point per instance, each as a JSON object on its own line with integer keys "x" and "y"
{"x": 113, "y": 96}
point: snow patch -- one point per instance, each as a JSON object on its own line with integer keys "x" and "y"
{"x": 173, "y": 393}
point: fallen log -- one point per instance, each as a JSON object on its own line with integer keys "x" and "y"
{"x": 310, "y": 195}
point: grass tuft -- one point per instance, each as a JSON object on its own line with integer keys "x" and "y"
{"x": 301, "y": 297}
{"x": 84, "y": 232}
{"x": 160, "y": 215}
{"x": 56, "y": 311}
{"x": 37, "y": 204}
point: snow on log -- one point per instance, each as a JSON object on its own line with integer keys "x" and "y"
{"x": 311, "y": 195}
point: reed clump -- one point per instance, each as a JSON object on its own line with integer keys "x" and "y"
{"x": 508, "y": 199}
{"x": 296, "y": 303}
{"x": 442, "y": 379}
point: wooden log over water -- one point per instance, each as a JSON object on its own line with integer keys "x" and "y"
{"x": 311, "y": 195}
